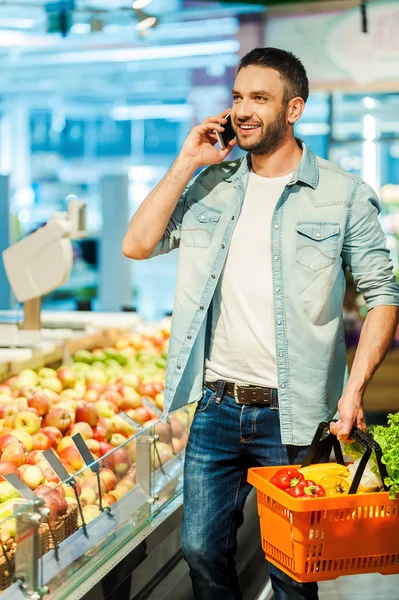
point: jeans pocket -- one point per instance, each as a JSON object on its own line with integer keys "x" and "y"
{"x": 205, "y": 402}
{"x": 317, "y": 244}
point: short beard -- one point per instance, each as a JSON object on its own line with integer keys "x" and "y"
{"x": 271, "y": 139}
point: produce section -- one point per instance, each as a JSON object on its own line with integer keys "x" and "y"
{"x": 113, "y": 398}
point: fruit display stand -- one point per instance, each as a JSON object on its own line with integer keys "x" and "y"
{"x": 144, "y": 481}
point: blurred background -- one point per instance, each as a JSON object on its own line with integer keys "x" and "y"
{"x": 96, "y": 98}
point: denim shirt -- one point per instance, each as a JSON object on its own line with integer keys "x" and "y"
{"x": 325, "y": 220}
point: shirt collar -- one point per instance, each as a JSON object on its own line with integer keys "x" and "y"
{"x": 307, "y": 171}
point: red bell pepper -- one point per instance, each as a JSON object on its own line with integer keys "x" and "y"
{"x": 286, "y": 479}
{"x": 314, "y": 491}
{"x": 301, "y": 488}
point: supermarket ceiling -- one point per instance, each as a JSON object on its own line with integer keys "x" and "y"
{"x": 90, "y": 52}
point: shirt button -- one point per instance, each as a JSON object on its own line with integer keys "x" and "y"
{"x": 279, "y": 322}
{"x": 281, "y": 354}
{"x": 283, "y": 386}
{"x": 276, "y": 257}
{"x": 178, "y": 367}
{"x": 232, "y": 218}
{"x": 212, "y": 276}
{"x": 277, "y": 289}
{"x": 202, "y": 217}
{"x": 317, "y": 235}
{"x": 201, "y": 308}
{"x": 223, "y": 246}
{"x": 275, "y": 226}
{"x": 189, "y": 337}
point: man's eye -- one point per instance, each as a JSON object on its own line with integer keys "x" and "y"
{"x": 260, "y": 98}
{"x": 235, "y": 98}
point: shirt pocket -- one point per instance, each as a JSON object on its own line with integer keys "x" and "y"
{"x": 199, "y": 225}
{"x": 317, "y": 244}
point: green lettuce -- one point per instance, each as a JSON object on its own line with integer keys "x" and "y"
{"x": 388, "y": 439}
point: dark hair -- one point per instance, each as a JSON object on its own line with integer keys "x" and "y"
{"x": 292, "y": 72}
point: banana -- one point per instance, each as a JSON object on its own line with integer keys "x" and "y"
{"x": 316, "y": 472}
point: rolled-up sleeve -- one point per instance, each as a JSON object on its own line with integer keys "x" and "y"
{"x": 171, "y": 238}
{"x": 365, "y": 250}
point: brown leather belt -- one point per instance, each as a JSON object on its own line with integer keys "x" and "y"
{"x": 245, "y": 394}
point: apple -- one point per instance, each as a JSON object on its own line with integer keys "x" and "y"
{"x": 96, "y": 375}
{"x": 141, "y": 415}
{"x": 91, "y": 395}
{"x": 72, "y": 455}
{"x": 98, "y": 387}
{"x": 130, "y": 400}
{"x": 32, "y": 476}
{"x": 118, "y": 492}
{"x": 48, "y": 472}
{"x": 67, "y": 377}
{"x": 117, "y": 439}
{"x": 25, "y": 438}
{"x": 87, "y": 495}
{"x": 110, "y": 500}
{"x": 6, "y": 468}
{"x": 132, "y": 380}
{"x": 35, "y": 456}
{"x": 106, "y": 408}
{"x": 163, "y": 454}
{"x": 51, "y": 383}
{"x": 159, "y": 401}
{"x": 112, "y": 396}
{"x": 5, "y": 389}
{"x": 26, "y": 421}
{"x": 83, "y": 428}
{"x": 94, "y": 447}
{"x": 69, "y": 491}
{"x": 104, "y": 430}
{"x": 122, "y": 427}
{"x": 6, "y": 440}
{"x": 178, "y": 423}
{"x": 71, "y": 394}
{"x": 128, "y": 483}
{"x": 109, "y": 478}
{"x": 64, "y": 443}
{"x": 15, "y": 453}
{"x": 7, "y": 410}
{"x": 56, "y": 486}
{"x": 53, "y": 434}
{"x": 41, "y": 441}
{"x": 88, "y": 412}
{"x": 147, "y": 389}
{"x": 105, "y": 447}
{"x": 90, "y": 512}
{"x": 32, "y": 410}
{"x": 41, "y": 402}
{"x": 57, "y": 417}
{"x": 118, "y": 461}
{"x": 80, "y": 387}
{"x": 46, "y": 372}
{"x": 131, "y": 450}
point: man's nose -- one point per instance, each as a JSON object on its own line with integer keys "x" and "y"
{"x": 244, "y": 109}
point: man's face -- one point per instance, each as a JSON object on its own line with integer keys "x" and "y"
{"x": 259, "y": 111}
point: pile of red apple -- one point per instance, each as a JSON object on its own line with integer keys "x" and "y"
{"x": 44, "y": 409}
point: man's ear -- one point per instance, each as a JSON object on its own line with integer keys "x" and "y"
{"x": 295, "y": 109}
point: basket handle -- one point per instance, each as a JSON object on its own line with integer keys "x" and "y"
{"x": 331, "y": 441}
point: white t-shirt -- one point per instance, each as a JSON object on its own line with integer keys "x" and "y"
{"x": 242, "y": 348}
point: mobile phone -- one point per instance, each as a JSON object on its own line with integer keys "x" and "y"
{"x": 227, "y": 135}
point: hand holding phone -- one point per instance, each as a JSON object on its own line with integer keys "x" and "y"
{"x": 224, "y": 137}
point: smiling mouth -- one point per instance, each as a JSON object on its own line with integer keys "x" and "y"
{"x": 248, "y": 128}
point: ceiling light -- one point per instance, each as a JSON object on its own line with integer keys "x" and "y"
{"x": 145, "y": 21}
{"x": 138, "y": 4}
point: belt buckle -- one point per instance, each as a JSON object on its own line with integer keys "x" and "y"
{"x": 236, "y": 398}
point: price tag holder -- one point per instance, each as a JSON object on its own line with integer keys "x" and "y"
{"x": 152, "y": 406}
{"x": 56, "y": 465}
{"x": 85, "y": 452}
{"x": 131, "y": 422}
{"x": 21, "y": 488}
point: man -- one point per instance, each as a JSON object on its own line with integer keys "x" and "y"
{"x": 257, "y": 335}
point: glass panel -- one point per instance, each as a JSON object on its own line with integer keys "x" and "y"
{"x": 97, "y": 511}
{"x": 167, "y": 456}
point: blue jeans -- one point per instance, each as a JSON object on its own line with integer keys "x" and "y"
{"x": 225, "y": 440}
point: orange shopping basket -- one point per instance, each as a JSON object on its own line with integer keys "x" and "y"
{"x": 323, "y": 538}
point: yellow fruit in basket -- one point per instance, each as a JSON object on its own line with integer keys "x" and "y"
{"x": 7, "y": 491}
{"x": 9, "y": 526}
{"x": 317, "y": 472}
